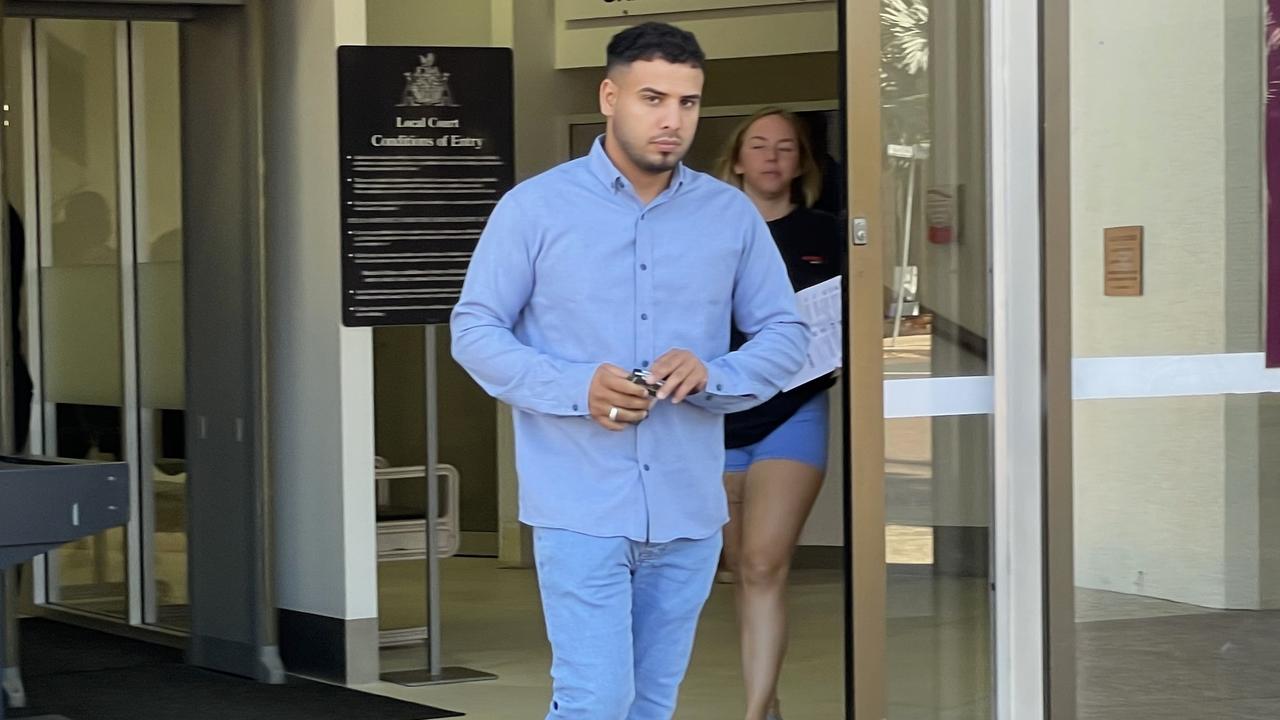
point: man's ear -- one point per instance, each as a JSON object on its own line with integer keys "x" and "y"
{"x": 608, "y": 96}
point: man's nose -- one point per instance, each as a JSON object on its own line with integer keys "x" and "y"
{"x": 671, "y": 118}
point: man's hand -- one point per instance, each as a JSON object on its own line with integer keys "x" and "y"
{"x": 611, "y": 389}
{"x": 681, "y": 373}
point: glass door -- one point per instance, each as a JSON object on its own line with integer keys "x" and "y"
{"x": 84, "y": 211}
{"x": 158, "y": 292}
{"x": 933, "y": 356}
{"x": 93, "y": 174}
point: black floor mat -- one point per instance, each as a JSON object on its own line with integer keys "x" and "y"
{"x": 88, "y": 675}
{"x": 54, "y": 648}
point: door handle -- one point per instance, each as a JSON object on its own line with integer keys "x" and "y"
{"x": 859, "y": 234}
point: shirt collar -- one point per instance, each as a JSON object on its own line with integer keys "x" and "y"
{"x": 604, "y": 170}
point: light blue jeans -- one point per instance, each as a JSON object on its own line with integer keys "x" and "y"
{"x": 621, "y": 617}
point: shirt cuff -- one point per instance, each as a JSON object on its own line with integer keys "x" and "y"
{"x": 577, "y": 388}
{"x": 721, "y": 394}
{"x": 717, "y": 384}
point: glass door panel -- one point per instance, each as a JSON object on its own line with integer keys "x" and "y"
{"x": 101, "y": 198}
{"x": 157, "y": 153}
{"x": 939, "y": 606}
{"x": 919, "y": 372}
{"x": 82, "y": 318}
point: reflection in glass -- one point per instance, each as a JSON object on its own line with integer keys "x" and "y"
{"x": 161, "y": 348}
{"x": 17, "y": 88}
{"x": 936, "y": 324}
{"x": 937, "y": 480}
{"x": 80, "y": 296}
{"x": 934, "y": 186}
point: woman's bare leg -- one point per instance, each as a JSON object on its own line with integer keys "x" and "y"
{"x": 776, "y": 498}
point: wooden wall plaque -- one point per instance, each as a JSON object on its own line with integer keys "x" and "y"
{"x": 1123, "y": 261}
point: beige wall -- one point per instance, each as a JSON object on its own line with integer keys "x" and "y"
{"x": 1170, "y": 492}
{"x": 745, "y": 30}
{"x": 1175, "y": 150}
{"x": 430, "y": 22}
{"x": 1150, "y": 498}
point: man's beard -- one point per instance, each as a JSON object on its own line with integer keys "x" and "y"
{"x": 664, "y": 163}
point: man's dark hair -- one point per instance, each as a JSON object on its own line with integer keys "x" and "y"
{"x": 654, "y": 41}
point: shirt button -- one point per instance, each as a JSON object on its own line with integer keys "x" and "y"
{"x": 575, "y": 408}
{"x": 644, "y": 316}
{"x": 646, "y": 468}
{"x": 644, "y": 363}
{"x": 720, "y": 388}
{"x": 643, "y": 266}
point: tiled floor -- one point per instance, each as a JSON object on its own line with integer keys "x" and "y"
{"x": 1139, "y": 658}
{"x": 938, "y": 636}
{"x": 1192, "y": 666}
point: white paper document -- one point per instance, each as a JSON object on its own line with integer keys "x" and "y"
{"x": 822, "y": 308}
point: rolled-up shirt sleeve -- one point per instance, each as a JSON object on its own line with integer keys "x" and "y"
{"x": 497, "y": 288}
{"x": 764, "y": 309}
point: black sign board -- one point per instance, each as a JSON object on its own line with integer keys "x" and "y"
{"x": 427, "y": 149}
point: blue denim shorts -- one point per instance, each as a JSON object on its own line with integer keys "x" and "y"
{"x": 802, "y": 438}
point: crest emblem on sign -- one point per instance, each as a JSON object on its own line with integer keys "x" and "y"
{"x": 427, "y": 85}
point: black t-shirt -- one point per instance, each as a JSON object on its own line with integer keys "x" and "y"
{"x": 809, "y": 241}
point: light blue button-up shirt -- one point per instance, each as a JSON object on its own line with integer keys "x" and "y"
{"x": 573, "y": 271}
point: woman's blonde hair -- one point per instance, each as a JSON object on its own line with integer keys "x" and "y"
{"x": 806, "y": 187}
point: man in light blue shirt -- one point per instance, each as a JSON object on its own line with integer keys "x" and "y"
{"x": 627, "y": 259}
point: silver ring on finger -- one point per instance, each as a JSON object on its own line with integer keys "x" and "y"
{"x": 613, "y": 414}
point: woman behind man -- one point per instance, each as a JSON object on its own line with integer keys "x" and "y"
{"x": 776, "y": 454}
